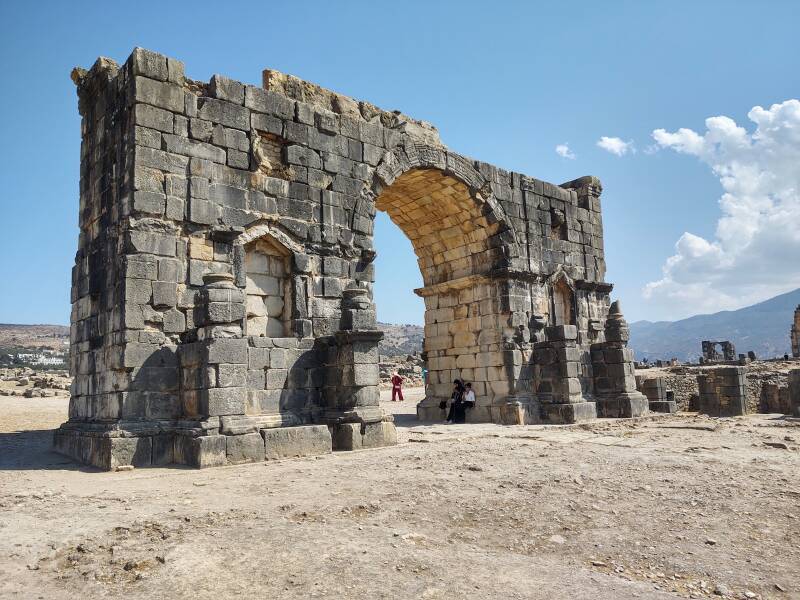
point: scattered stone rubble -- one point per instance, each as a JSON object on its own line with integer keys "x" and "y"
{"x": 33, "y": 384}
{"x": 409, "y": 367}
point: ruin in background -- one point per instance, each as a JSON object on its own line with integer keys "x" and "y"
{"x": 727, "y": 352}
{"x": 795, "y": 333}
{"x": 222, "y": 290}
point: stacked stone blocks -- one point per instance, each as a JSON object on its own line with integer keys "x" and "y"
{"x": 659, "y": 398}
{"x": 722, "y": 392}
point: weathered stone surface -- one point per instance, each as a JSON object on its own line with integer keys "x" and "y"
{"x": 245, "y": 448}
{"x": 201, "y": 452}
{"x": 288, "y": 442}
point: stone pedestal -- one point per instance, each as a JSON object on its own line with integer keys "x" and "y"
{"x": 614, "y": 374}
{"x": 722, "y": 392}
{"x": 657, "y": 396}
{"x": 557, "y": 386}
{"x": 352, "y": 393}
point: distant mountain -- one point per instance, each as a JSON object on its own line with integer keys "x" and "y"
{"x": 762, "y": 328}
{"x": 400, "y": 339}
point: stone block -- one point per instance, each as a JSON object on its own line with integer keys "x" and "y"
{"x": 163, "y": 450}
{"x": 149, "y": 64}
{"x": 376, "y": 435}
{"x": 259, "y": 358}
{"x": 149, "y": 242}
{"x": 228, "y": 195}
{"x": 269, "y": 102}
{"x": 226, "y": 113}
{"x": 288, "y": 442}
{"x": 244, "y": 448}
{"x": 226, "y": 89}
{"x": 158, "y": 159}
{"x": 175, "y": 209}
{"x": 276, "y": 378}
{"x": 153, "y": 118}
{"x": 201, "y": 130}
{"x": 174, "y": 321}
{"x": 160, "y": 94}
{"x": 231, "y": 351}
{"x": 223, "y": 401}
{"x": 346, "y": 436}
{"x": 231, "y": 376}
{"x": 193, "y": 148}
{"x": 165, "y": 293}
{"x": 202, "y": 212}
{"x": 201, "y": 452}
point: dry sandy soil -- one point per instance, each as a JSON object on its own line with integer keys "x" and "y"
{"x": 671, "y": 507}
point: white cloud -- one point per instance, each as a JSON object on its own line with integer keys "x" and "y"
{"x": 755, "y": 253}
{"x": 616, "y": 145}
{"x": 564, "y": 152}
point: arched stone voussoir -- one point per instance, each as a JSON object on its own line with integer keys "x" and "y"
{"x": 421, "y": 156}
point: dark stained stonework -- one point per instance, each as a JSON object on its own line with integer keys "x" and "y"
{"x": 222, "y": 286}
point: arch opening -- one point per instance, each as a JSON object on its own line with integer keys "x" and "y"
{"x": 456, "y": 249}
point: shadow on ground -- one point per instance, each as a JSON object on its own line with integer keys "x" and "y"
{"x": 25, "y": 450}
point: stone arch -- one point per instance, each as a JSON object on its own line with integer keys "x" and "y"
{"x": 463, "y": 240}
{"x": 439, "y": 198}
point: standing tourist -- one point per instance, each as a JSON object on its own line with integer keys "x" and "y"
{"x": 397, "y": 389}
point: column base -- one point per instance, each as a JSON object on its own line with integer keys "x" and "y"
{"x": 622, "y": 406}
{"x": 574, "y": 412}
{"x": 104, "y": 450}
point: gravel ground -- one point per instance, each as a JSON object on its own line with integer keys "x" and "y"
{"x": 671, "y": 507}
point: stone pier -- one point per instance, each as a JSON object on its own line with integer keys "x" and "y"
{"x": 722, "y": 392}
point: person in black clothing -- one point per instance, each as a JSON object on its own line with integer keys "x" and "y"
{"x": 458, "y": 408}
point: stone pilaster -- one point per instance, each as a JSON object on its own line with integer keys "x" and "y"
{"x": 556, "y": 368}
{"x": 352, "y": 395}
{"x": 613, "y": 369}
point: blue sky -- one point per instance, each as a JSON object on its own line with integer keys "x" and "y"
{"x": 505, "y": 82}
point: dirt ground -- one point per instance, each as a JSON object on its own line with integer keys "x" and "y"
{"x": 669, "y": 507}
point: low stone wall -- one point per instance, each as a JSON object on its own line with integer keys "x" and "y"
{"x": 682, "y": 380}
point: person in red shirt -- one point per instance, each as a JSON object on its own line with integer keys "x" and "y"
{"x": 397, "y": 390}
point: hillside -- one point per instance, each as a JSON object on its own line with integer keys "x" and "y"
{"x": 762, "y": 328}
{"x": 52, "y": 337}
{"x": 400, "y": 339}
